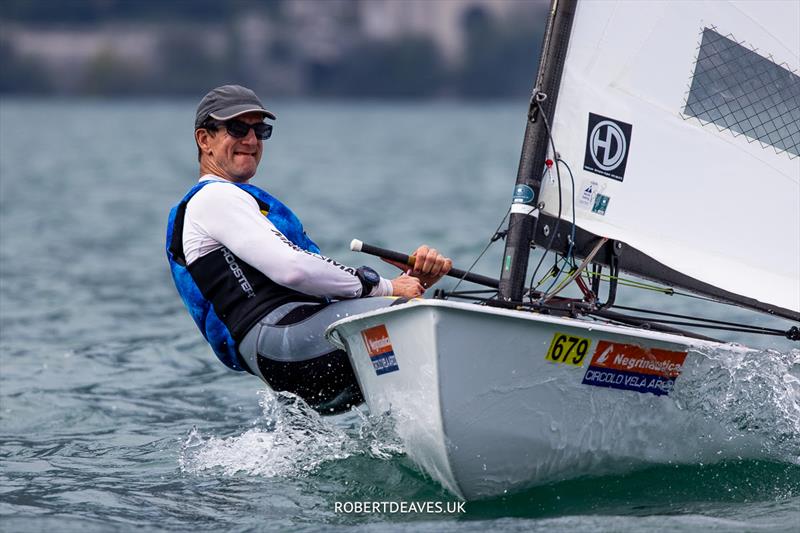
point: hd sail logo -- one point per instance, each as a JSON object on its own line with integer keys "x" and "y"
{"x": 631, "y": 367}
{"x": 607, "y": 144}
{"x": 380, "y": 350}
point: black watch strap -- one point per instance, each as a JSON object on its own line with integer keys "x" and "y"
{"x": 369, "y": 280}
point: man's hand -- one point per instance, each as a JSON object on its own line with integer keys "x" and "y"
{"x": 429, "y": 266}
{"x": 407, "y": 286}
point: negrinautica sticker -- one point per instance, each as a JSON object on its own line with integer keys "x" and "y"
{"x": 634, "y": 368}
{"x": 608, "y": 142}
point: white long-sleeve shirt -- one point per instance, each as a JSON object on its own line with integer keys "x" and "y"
{"x": 220, "y": 215}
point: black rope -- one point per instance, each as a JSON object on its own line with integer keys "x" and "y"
{"x": 492, "y": 240}
{"x": 709, "y": 320}
{"x": 640, "y": 322}
{"x": 466, "y": 293}
{"x": 792, "y": 334}
{"x": 742, "y": 329}
{"x": 499, "y": 235}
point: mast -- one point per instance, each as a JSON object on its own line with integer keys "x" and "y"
{"x": 702, "y": 248}
{"x": 523, "y": 218}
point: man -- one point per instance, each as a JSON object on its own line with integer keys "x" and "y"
{"x": 253, "y": 281}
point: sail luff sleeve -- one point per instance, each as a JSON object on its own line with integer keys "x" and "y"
{"x": 522, "y": 221}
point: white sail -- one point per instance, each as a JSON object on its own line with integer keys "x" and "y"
{"x": 708, "y": 182}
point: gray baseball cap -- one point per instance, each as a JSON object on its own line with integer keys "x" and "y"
{"x": 229, "y": 101}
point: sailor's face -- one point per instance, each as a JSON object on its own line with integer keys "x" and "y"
{"x": 236, "y": 159}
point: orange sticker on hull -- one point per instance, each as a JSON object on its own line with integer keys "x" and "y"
{"x": 380, "y": 349}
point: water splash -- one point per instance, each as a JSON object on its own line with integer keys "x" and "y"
{"x": 290, "y": 439}
{"x": 751, "y": 392}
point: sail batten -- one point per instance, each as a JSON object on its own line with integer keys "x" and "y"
{"x": 683, "y": 139}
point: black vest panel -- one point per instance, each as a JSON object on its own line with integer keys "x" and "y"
{"x": 241, "y": 294}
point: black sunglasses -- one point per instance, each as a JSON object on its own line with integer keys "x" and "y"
{"x": 239, "y": 129}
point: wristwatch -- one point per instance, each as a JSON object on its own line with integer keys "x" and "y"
{"x": 369, "y": 280}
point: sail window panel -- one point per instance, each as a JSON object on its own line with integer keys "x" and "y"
{"x": 736, "y": 89}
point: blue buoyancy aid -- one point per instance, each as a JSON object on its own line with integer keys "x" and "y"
{"x": 225, "y": 295}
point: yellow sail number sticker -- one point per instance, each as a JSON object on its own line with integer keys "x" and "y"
{"x": 568, "y": 349}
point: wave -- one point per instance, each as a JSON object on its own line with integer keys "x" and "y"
{"x": 752, "y": 393}
{"x": 290, "y": 439}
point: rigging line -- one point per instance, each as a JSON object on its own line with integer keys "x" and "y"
{"x": 712, "y": 326}
{"x": 470, "y": 299}
{"x": 550, "y": 273}
{"x": 588, "y": 259}
{"x": 572, "y": 179}
{"x": 569, "y": 258}
{"x": 631, "y": 283}
{"x": 706, "y": 298}
{"x": 629, "y": 319}
{"x": 460, "y": 293}
{"x": 484, "y": 250}
{"x": 709, "y": 320}
{"x": 549, "y": 244}
{"x": 670, "y": 291}
{"x": 557, "y": 276}
{"x": 558, "y": 176}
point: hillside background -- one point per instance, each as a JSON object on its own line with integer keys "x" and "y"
{"x": 298, "y": 48}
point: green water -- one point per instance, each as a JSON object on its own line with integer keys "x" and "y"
{"x": 115, "y": 415}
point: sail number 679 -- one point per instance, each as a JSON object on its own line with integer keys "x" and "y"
{"x": 568, "y": 349}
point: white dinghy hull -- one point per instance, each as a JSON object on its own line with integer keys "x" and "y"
{"x": 483, "y": 408}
